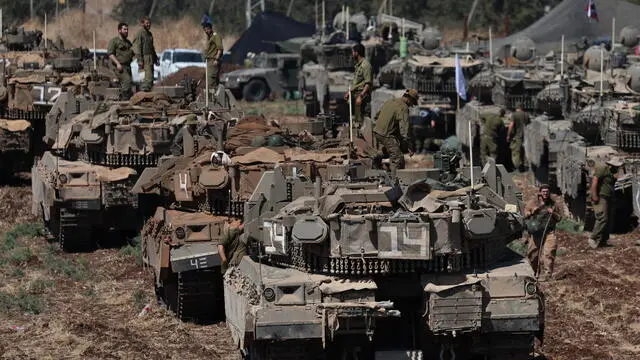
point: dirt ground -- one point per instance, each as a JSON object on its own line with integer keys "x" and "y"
{"x": 90, "y": 306}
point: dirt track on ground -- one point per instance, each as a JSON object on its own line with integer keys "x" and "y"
{"x": 90, "y": 303}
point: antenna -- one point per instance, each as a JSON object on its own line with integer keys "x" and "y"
{"x": 324, "y": 22}
{"x": 490, "y": 48}
{"x": 95, "y": 57}
{"x": 206, "y": 88}
{"x": 350, "y": 116}
{"x": 601, "y": 72}
{"x": 471, "y": 153}
{"x": 562, "y": 58}
{"x": 45, "y": 31}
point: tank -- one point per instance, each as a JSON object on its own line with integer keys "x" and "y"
{"x": 431, "y": 38}
{"x": 629, "y": 36}
{"x": 592, "y": 58}
{"x": 436, "y": 75}
{"x": 358, "y": 263}
{"x": 81, "y": 203}
{"x": 523, "y": 50}
{"x": 523, "y": 86}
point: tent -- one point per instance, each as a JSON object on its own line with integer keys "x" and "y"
{"x": 569, "y": 18}
{"x": 266, "y": 30}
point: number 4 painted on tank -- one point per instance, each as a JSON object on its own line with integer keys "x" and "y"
{"x": 392, "y": 231}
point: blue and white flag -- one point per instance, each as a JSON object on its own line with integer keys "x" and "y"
{"x": 461, "y": 84}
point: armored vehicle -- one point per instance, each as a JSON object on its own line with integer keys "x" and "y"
{"x": 181, "y": 249}
{"x": 79, "y": 202}
{"x": 354, "y": 265}
{"x": 436, "y": 75}
{"x": 272, "y": 75}
{"x": 520, "y": 86}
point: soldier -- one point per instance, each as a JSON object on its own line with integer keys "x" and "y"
{"x": 515, "y": 136}
{"x": 121, "y": 53}
{"x": 491, "y": 128}
{"x": 361, "y": 84}
{"x": 392, "y": 128}
{"x": 602, "y": 188}
{"x": 213, "y": 53}
{"x": 541, "y": 215}
{"x": 146, "y": 53}
{"x": 232, "y": 248}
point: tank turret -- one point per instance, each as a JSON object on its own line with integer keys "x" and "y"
{"x": 629, "y": 36}
{"x": 523, "y": 49}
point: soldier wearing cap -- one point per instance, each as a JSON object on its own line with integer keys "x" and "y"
{"x": 361, "y": 85}
{"x": 602, "y": 189}
{"x": 213, "y": 53}
{"x": 515, "y": 136}
{"x": 541, "y": 216}
{"x": 392, "y": 130}
{"x": 120, "y": 51}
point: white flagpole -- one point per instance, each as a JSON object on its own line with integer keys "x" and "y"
{"x": 613, "y": 33}
{"x": 45, "y": 31}
{"x": 206, "y": 87}
{"x": 601, "y": 70}
{"x": 95, "y": 56}
{"x": 323, "y": 22}
{"x": 470, "y": 149}
{"x": 562, "y": 57}
{"x": 490, "y": 48}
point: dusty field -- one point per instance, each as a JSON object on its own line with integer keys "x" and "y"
{"x": 87, "y": 306}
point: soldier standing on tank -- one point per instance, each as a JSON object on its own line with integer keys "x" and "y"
{"x": 392, "y": 128}
{"x": 233, "y": 247}
{"x": 361, "y": 84}
{"x": 121, "y": 53}
{"x": 515, "y": 136}
{"x": 491, "y": 128}
{"x": 213, "y": 53}
{"x": 602, "y": 189}
{"x": 545, "y": 213}
{"x": 145, "y": 52}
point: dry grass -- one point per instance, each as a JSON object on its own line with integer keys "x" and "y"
{"x": 76, "y": 30}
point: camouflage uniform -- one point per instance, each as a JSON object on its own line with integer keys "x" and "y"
{"x": 122, "y": 49}
{"x": 392, "y": 131}
{"x": 546, "y": 239}
{"x": 520, "y": 119}
{"x": 601, "y": 209}
{"x": 214, "y": 44}
{"x": 234, "y": 248}
{"x": 490, "y": 137}
{"x": 362, "y": 76}
{"x": 144, "y": 49}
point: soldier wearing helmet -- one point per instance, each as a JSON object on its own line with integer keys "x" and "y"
{"x": 392, "y": 131}
{"x": 541, "y": 216}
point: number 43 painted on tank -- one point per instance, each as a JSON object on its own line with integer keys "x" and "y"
{"x": 45, "y": 94}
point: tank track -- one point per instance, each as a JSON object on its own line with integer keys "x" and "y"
{"x": 200, "y": 295}
{"x": 128, "y": 160}
{"x": 73, "y": 233}
{"x": 286, "y": 350}
{"x": 304, "y": 260}
{"x": 17, "y": 114}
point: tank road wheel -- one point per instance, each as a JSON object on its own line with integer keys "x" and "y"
{"x": 255, "y": 90}
{"x": 74, "y": 234}
{"x": 195, "y": 295}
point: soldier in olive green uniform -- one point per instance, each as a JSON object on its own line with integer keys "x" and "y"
{"x": 515, "y": 136}
{"x": 213, "y": 53}
{"x": 392, "y": 128}
{"x": 232, "y": 248}
{"x": 146, "y": 53}
{"x": 361, "y": 84}
{"x": 602, "y": 188}
{"x": 121, "y": 53}
{"x": 491, "y": 129}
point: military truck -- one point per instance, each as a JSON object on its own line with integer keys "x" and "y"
{"x": 271, "y": 75}
{"x": 355, "y": 265}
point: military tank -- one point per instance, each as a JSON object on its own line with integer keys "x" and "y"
{"x": 354, "y": 265}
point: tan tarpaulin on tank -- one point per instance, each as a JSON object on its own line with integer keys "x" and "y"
{"x": 21, "y": 99}
{"x": 342, "y": 285}
{"x": 303, "y": 155}
{"x": 31, "y": 79}
{"x": 434, "y": 289}
{"x": 260, "y": 155}
{"x": 75, "y": 80}
{"x": 14, "y": 125}
{"x": 142, "y": 98}
{"x": 108, "y": 175}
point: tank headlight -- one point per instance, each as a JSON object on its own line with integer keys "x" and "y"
{"x": 269, "y": 294}
{"x": 63, "y": 178}
{"x": 180, "y": 233}
{"x": 531, "y": 288}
